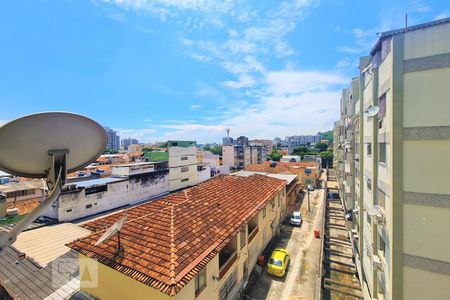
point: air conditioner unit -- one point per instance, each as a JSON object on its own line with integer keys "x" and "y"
{"x": 376, "y": 263}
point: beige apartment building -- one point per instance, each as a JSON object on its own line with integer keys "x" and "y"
{"x": 200, "y": 243}
{"x": 392, "y": 146}
{"x": 182, "y": 164}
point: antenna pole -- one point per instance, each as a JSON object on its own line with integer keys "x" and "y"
{"x": 406, "y": 22}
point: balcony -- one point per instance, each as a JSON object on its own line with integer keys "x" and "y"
{"x": 227, "y": 257}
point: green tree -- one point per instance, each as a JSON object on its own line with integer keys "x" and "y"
{"x": 275, "y": 155}
{"x": 300, "y": 150}
{"x": 327, "y": 158}
{"x": 207, "y": 147}
{"x": 321, "y": 146}
{"x": 217, "y": 150}
{"x": 328, "y": 135}
{"x": 110, "y": 151}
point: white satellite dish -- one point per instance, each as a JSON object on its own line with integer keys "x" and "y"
{"x": 112, "y": 231}
{"x": 47, "y": 145}
{"x": 374, "y": 211}
{"x": 371, "y": 111}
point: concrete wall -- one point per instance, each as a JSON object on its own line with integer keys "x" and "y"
{"x": 75, "y": 205}
{"x": 204, "y": 173}
{"x": 179, "y": 159}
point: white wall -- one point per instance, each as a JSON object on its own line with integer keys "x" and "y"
{"x": 73, "y": 205}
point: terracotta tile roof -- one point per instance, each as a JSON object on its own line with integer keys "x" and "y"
{"x": 168, "y": 241}
{"x": 280, "y": 168}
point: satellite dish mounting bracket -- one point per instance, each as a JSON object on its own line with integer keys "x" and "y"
{"x": 55, "y": 180}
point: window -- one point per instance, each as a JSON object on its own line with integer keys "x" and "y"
{"x": 200, "y": 282}
{"x": 184, "y": 158}
{"x": 88, "y": 206}
{"x": 369, "y": 184}
{"x": 381, "y": 200}
{"x": 243, "y": 237}
{"x": 69, "y": 210}
{"x": 369, "y": 149}
{"x": 174, "y": 144}
{"x": 184, "y": 169}
{"x": 382, "y": 106}
{"x": 185, "y": 179}
{"x": 382, "y": 152}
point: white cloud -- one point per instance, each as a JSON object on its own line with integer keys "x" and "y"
{"x": 195, "y": 106}
{"x": 244, "y": 81}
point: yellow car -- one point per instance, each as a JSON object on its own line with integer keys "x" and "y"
{"x": 278, "y": 262}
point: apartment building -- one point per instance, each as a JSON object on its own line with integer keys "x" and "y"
{"x": 259, "y": 142}
{"x": 200, "y": 243}
{"x": 182, "y": 164}
{"x": 129, "y": 184}
{"x": 391, "y": 153}
{"x": 236, "y": 156}
{"x": 113, "y": 141}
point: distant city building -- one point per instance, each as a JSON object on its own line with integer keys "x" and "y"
{"x": 295, "y": 141}
{"x": 242, "y": 141}
{"x": 277, "y": 141}
{"x": 113, "y": 139}
{"x": 182, "y": 164}
{"x": 127, "y": 142}
{"x": 227, "y": 141}
{"x": 239, "y": 156}
{"x": 267, "y": 143}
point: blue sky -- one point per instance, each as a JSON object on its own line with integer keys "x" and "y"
{"x": 188, "y": 69}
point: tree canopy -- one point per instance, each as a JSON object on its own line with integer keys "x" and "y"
{"x": 275, "y": 155}
{"x": 321, "y": 146}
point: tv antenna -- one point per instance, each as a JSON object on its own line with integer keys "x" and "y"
{"x": 371, "y": 111}
{"x": 111, "y": 231}
{"x": 47, "y": 145}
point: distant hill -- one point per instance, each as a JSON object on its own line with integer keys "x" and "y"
{"x": 328, "y": 135}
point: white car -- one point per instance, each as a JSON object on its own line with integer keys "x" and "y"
{"x": 296, "y": 219}
{"x": 310, "y": 188}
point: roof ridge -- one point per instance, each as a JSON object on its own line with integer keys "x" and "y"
{"x": 173, "y": 280}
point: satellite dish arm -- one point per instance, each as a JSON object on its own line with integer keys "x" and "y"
{"x": 55, "y": 179}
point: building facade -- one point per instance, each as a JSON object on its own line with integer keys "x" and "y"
{"x": 201, "y": 243}
{"x": 390, "y": 153}
{"x": 113, "y": 142}
{"x": 127, "y": 142}
{"x": 129, "y": 184}
{"x": 182, "y": 164}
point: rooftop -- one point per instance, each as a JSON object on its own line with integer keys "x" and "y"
{"x": 288, "y": 177}
{"x": 167, "y": 242}
{"x": 22, "y": 185}
{"x": 281, "y": 167}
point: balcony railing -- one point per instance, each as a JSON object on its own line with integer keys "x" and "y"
{"x": 252, "y": 234}
{"x": 227, "y": 265}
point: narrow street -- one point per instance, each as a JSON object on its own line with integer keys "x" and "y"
{"x": 304, "y": 250}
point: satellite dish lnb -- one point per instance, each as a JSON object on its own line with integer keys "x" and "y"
{"x": 371, "y": 111}
{"x": 47, "y": 145}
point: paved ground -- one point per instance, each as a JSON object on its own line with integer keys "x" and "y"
{"x": 304, "y": 249}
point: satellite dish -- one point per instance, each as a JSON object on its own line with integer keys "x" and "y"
{"x": 26, "y": 142}
{"x": 371, "y": 111}
{"x": 374, "y": 210}
{"x": 47, "y": 145}
{"x": 112, "y": 231}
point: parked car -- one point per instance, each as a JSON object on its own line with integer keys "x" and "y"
{"x": 296, "y": 219}
{"x": 278, "y": 262}
{"x": 310, "y": 188}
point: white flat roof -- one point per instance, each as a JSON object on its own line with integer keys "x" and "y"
{"x": 49, "y": 242}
